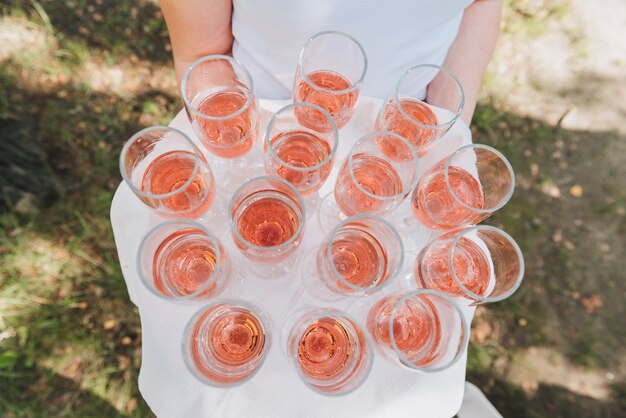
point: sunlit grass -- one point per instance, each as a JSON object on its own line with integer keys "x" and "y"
{"x": 60, "y": 284}
{"x": 54, "y": 299}
{"x": 531, "y": 18}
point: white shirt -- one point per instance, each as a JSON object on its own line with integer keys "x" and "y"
{"x": 396, "y": 35}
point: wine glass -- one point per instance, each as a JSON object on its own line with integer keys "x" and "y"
{"x": 408, "y": 114}
{"x": 330, "y": 73}
{"x": 370, "y": 181}
{"x": 361, "y": 256}
{"x": 332, "y": 354}
{"x": 181, "y": 260}
{"x": 302, "y": 156}
{"x": 267, "y": 219}
{"x": 164, "y": 169}
{"x": 225, "y": 343}
{"x": 464, "y": 189}
{"x": 422, "y": 330}
{"x": 219, "y": 98}
{"x": 482, "y": 264}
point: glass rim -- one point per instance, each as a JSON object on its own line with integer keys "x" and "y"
{"x": 336, "y": 273}
{"x": 501, "y": 157}
{"x": 235, "y": 63}
{"x": 446, "y": 124}
{"x": 314, "y": 86}
{"x": 464, "y": 324}
{"x": 315, "y": 314}
{"x": 192, "y": 224}
{"x": 254, "y": 310}
{"x": 298, "y": 231}
{"x": 334, "y": 132}
{"x": 405, "y": 190}
{"x": 198, "y": 158}
{"x": 466, "y": 291}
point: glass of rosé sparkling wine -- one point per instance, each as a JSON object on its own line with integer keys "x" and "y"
{"x": 164, "y": 169}
{"x": 219, "y": 99}
{"x": 361, "y": 256}
{"x": 410, "y": 113}
{"x": 423, "y": 330}
{"x": 330, "y": 351}
{"x": 225, "y": 343}
{"x": 461, "y": 190}
{"x": 370, "y": 181}
{"x": 481, "y": 264}
{"x": 301, "y": 155}
{"x": 181, "y": 260}
{"x": 330, "y": 72}
{"x": 267, "y": 218}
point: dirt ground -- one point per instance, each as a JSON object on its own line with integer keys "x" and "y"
{"x": 561, "y": 81}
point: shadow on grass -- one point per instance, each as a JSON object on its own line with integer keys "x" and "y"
{"x": 53, "y": 395}
{"x": 121, "y": 27}
{"x": 66, "y": 148}
{"x": 548, "y": 400}
{"x": 61, "y": 145}
{"x": 24, "y": 178}
{"x": 567, "y": 214}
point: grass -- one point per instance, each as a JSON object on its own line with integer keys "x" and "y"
{"x": 531, "y": 17}
{"x": 558, "y": 275}
{"x": 69, "y": 337}
{"x": 55, "y": 296}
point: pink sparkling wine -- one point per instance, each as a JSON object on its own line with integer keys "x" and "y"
{"x": 184, "y": 262}
{"x": 416, "y": 328}
{"x": 471, "y": 264}
{"x": 359, "y": 258}
{"x": 269, "y": 221}
{"x": 340, "y": 106}
{"x": 232, "y": 136}
{"x": 169, "y": 172}
{"x": 436, "y": 207}
{"x": 328, "y": 351}
{"x": 232, "y": 339}
{"x": 302, "y": 149}
{"x": 374, "y": 175}
{"x": 392, "y": 119}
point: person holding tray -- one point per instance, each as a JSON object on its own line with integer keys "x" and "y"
{"x": 266, "y": 37}
{"x": 423, "y": 60}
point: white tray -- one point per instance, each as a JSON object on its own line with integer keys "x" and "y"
{"x": 276, "y": 391}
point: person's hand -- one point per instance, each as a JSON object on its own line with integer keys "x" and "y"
{"x": 197, "y": 28}
{"x": 469, "y": 54}
{"x": 444, "y": 93}
{"x": 221, "y": 70}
